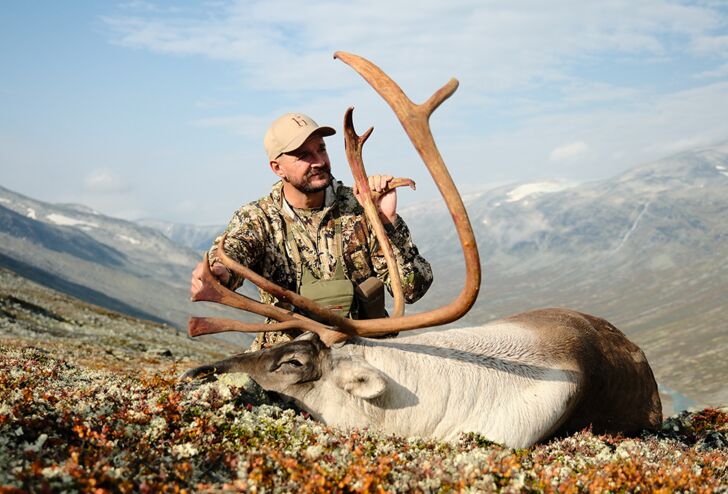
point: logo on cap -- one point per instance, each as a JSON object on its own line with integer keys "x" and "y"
{"x": 300, "y": 120}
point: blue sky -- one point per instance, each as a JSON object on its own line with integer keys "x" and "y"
{"x": 157, "y": 110}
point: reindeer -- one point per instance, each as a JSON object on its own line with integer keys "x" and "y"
{"x": 517, "y": 381}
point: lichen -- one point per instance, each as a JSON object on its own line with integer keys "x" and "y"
{"x": 68, "y": 427}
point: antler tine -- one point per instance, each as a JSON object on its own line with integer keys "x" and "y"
{"x": 354, "y": 145}
{"x": 393, "y": 94}
{"x": 198, "y": 326}
{"x": 210, "y": 325}
{"x": 213, "y": 291}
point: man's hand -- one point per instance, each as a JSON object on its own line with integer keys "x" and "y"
{"x": 387, "y": 203}
{"x": 219, "y": 271}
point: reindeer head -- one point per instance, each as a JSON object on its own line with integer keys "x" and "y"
{"x": 296, "y": 368}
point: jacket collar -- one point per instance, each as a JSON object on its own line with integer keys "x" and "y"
{"x": 279, "y": 201}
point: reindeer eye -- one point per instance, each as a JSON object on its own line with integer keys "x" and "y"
{"x": 292, "y": 363}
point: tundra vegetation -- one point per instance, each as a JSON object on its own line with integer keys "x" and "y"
{"x": 90, "y": 402}
{"x": 70, "y": 427}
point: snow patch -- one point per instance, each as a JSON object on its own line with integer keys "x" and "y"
{"x": 5, "y": 200}
{"x": 131, "y": 240}
{"x": 31, "y": 214}
{"x": 634, "y": 225}
{"x": 724, "y": 173}
{"x": 60, "y": 219}
{"x": 720, "y": 167}
{"x": 526, "y": 190}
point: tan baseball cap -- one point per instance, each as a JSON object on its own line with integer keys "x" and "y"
{"x": 288, "y": 132}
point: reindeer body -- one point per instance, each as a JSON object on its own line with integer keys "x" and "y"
{"x": 517, "y": 381}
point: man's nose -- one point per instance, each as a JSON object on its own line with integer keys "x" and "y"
{"x": 319, "y": 159}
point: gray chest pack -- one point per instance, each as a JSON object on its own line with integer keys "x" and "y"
{"x": 337, "y": 293}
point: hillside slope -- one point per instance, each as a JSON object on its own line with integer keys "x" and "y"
{"x": 107, "y": 261}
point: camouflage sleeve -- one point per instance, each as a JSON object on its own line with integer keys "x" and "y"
{"x": 415, "y": 272}
{"x": 244, "y": 243}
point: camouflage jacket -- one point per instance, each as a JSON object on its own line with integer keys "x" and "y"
{"x": 257, "y": 239}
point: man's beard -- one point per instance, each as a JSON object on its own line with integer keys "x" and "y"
{"x": 308, "y": 188}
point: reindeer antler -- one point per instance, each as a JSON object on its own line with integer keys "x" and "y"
{"x": 415, "y": 120}
{"x": 213, "y": 291}
{"x": 354, "y": 145}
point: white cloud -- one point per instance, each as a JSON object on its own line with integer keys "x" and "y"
{"x": 497, "y": 45}
{"x": 568, "y": 151}
{"x": 711, "y": 44}
{"x": 618, "y": 137}
{"x": 104, "y": 181}
{"x": 717, "y": 73}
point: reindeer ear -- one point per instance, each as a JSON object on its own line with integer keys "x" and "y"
{"x": 359, "y": 379}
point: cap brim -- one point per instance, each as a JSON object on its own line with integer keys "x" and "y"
{"x": 323, "y": 131}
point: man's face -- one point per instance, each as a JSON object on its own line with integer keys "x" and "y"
{"x": 308, "y": 168}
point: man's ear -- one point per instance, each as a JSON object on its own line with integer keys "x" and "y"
{"x": 276, "y": 167}
{"x": 359, "y": 379}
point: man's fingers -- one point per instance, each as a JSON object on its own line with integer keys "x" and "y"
{"x": 375, "y": 183}
{"x": 379, "y": 183}
{"x": 220, "y": 272}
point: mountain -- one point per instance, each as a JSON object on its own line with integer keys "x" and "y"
{"x": 110, "y": 262}
{"x": 195, "y": 237}
{"x": 675, "y": 202}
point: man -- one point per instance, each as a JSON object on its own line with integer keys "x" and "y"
{"x": 310, "y": 234}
